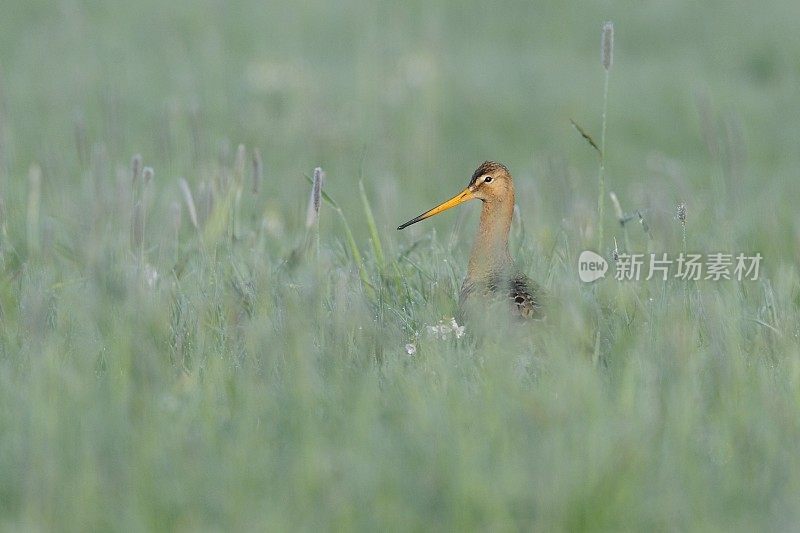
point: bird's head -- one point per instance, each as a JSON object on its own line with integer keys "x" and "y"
{"x": 490, "y": 182}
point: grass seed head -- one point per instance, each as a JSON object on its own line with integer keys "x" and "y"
{"x": 136, "y": 167}
{"x": 258, "y": 170}
{"x": 312, "y": 216}
{"x": 680, "y": 213}
{"x": 607, "y": 45}
{"x": 147, "y": 175}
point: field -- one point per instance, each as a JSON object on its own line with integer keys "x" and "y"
{"x": 182, "y": 349}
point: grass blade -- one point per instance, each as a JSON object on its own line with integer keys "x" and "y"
{"x": 373, "y": 228}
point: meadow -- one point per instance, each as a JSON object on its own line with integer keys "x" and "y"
{"x": 184, "y": 347}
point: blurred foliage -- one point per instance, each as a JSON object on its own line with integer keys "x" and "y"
{"x": 157, "y": 375}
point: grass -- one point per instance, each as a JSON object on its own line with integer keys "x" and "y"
{"x": 187, "y": 355}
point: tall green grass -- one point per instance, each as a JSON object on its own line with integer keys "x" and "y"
{"x": 207, "y": 361}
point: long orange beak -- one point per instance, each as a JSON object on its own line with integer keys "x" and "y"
{"x": 460, "y": 198}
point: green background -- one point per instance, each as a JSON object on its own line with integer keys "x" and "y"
{"x": 261, "y": 380}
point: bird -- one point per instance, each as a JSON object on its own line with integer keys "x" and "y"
{"x": 491, "y": 271}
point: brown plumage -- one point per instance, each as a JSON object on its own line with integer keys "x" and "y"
{"x": 491, "y": 271}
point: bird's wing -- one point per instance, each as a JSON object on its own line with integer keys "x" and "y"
{"x": 526, "y": 297}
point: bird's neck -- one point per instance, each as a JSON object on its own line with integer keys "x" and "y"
{"x": 490, "y": 250}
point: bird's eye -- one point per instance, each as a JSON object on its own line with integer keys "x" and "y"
{"x": 487, "y": 179}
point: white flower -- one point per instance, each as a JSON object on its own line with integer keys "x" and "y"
{"x": 411, "y": 350}
{"x": 443, "y": 329}
{"x": 458, "y": 330}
